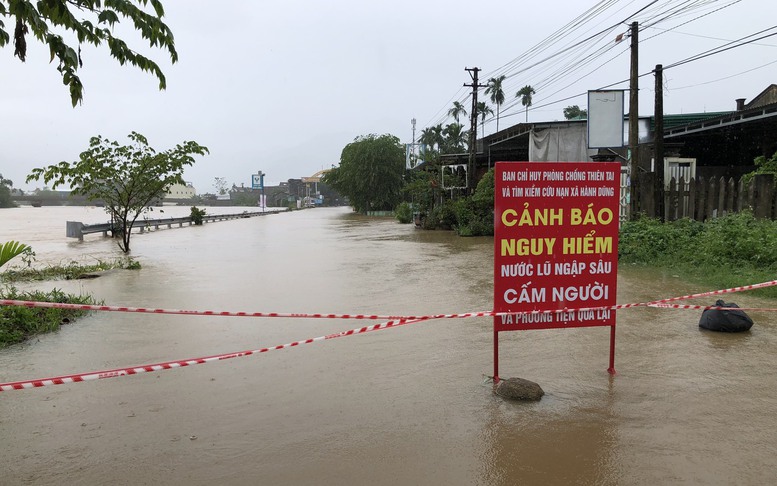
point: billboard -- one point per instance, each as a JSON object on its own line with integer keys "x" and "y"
{"x": 605, "y": 119}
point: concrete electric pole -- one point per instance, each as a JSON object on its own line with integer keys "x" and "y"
{"x": 473, "y": 124}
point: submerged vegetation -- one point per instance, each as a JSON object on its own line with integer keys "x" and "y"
{"x": 726, "y": 252}
{"x": 70, "y": 271}
{"x": 18, "y": 323}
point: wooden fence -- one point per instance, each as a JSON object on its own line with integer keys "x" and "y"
{"x": 701, "y": 199}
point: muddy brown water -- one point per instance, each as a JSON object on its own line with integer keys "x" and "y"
{"x": 400, "y": 406}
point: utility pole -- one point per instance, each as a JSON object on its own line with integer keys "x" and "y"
{"x": 658, "y": 144}
{"x": 413, "y": 158}
{"x": 473, "y": 72}
{"x": 634, "y": 120}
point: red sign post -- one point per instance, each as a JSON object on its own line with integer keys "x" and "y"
{"x": 555, "y": 247}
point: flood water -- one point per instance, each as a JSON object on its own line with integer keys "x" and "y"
{"x": 399, "y": 406}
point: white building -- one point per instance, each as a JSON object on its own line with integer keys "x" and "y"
{"x": 181, "y": 191}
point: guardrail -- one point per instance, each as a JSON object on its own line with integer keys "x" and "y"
{"x": 77, "y": 229}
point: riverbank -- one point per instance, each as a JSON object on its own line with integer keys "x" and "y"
{"x": 721, "y": 253}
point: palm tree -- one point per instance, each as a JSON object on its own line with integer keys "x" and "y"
{"x": 483, "y": 110}
{"x": 439, "y": 139}
{"x": 457, "y": 110}
{"x": 455, "y": 138}
{"x": 427, "y": 137}
{"x": 494, "y": 89}
{"x": 525, "y": 94}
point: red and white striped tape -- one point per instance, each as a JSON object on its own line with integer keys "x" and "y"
{"x": 143, "y": 310}
{"x": 168, "y": 365}
{"x": 770, "y": 283}
{"x": 706, "y": 307}
{"x": 393, "y": 321}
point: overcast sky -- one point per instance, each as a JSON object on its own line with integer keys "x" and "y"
{"x": 283, "y": 86}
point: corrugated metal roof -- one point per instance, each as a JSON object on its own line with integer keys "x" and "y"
{"x": 672, "y": 121}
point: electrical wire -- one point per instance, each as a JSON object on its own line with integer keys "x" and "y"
{"x": 551, "y": 70}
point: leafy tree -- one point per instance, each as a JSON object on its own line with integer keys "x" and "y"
{"x": 574, "y": 111}
{"x": 457, "y": 111}
{"x": 90, "y": 21}
{"x": 525, "y": 94}
{"x": 483, "y": 111}
{"x": 455, "y": 140}
{"x": 370, "y": 173}
{"x": 127, "y": 178}
{"x": 5, "y": 193}
{"x": 221, "y": 185}
{"x": 497, "y": 94}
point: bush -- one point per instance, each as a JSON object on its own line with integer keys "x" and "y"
{"x": 443, "y": 216}
{"x": 404, "y": 213}
{"x": 197, "y": 215}
{"x": 475, "y": 215}
{"x": 725, "y": 252}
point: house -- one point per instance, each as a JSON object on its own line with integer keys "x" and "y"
{"x": 181, "y": 191}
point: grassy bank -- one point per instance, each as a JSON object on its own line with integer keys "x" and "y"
{"x": 725, "y": 252}
{"x": 18, "y": 323}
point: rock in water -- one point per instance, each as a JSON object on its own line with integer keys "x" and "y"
{"x": 518, "y": 389}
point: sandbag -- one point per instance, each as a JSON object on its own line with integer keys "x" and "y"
{"x": 724, "y": 320}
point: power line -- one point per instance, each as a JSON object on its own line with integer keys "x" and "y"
{"x": 722, "y": 48}
{"x": 726, "y": 77}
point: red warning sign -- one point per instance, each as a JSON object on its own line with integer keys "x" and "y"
{"x": 555, "y": 244}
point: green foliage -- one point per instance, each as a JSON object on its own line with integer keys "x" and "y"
{"x": 370, "y": 173}
{"x": 18, "y": 323}
{"x": 5, "y": 193}
{"x": 51, "y": 21}
{"x": 197, "y": 214}
{"x": 442, "y": 216}
{"x": 483, "y": 110}
{"x": 457, "y": 111}
{"x": 126, "y": 178}
{"x": 475, "y": 215}
{"x": 722, "y": 251}
{"x": 404, "y": 213}
{"x": 455, "y": 139}
{"x": 10, "y": 250}
{"x": 71, "y": 271}
{"x": 132, "y": 264}
{"x": 420, "y": 188}
{"x": 764, "y": 166}
{"x": 526, "y": 94}
{"x": 496, "y": 94}
{"x": 573, "y": 111}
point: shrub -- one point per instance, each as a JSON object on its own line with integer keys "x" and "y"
{"x": 197, "y": 215}
{"x": 404, "y": 213}
{"x": 725, "y": 252}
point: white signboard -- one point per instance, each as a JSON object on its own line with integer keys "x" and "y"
{"x": 605, "y": 119}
